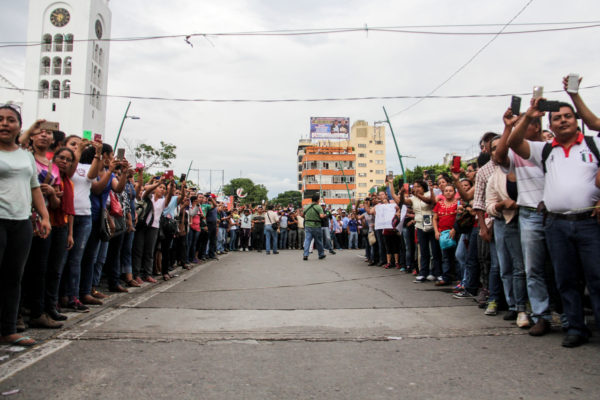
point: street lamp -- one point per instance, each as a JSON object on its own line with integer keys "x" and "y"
{"x": 122, "y": 122}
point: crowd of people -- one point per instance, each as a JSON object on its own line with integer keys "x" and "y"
{"x": 517, "y": 229}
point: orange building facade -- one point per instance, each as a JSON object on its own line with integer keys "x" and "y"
{"x": 329, "y": 171}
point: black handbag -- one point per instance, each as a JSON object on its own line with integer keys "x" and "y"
{"x": 168, "y": 226}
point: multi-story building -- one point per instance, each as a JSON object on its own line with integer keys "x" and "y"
{"x": 71, "y": 58}
{"x": 369, "y": 145}
{"x": 329, "y": 171}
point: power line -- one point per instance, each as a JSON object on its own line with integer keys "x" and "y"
{"x": 407, "y": 29}
{"x": 466, "y": 63}
{"x": 298, "y": 100}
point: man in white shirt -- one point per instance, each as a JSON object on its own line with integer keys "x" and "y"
{"x": 570, "y": 197}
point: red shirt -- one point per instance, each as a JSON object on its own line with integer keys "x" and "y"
{"x": 446, "y": 214}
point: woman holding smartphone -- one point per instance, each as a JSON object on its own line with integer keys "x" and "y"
{"x": 19, "y": 188}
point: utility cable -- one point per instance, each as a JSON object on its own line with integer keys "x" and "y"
{"x": 462, "y": 67}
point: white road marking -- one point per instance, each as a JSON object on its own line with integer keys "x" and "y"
{"x": 43, "y": 350}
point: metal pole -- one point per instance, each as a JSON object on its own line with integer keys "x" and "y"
{"x": 121, "y": 127}
{"x": 210, "y": 180}
{"x": 347, "y": 187}
{"x": 394, "y": 137}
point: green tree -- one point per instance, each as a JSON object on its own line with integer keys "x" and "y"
{"x": 293, "y": 197}
{"x": 151, "y": 157}
{"x": 418, "y": 172}
{"x": 255, "y": 194}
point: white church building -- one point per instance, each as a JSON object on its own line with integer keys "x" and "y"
{"x": 70, "y": 67}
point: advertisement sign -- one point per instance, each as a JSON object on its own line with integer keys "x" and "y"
{"x": 329, "y": 128}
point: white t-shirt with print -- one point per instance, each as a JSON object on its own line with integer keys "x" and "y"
{"x": 81, "y": 187}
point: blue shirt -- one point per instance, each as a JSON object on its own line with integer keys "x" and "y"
{"x": 345, "y": 222}
{"x": 99, "y": 201}
{"x": 171, "y": 209}
{"x": 353, "y": 225}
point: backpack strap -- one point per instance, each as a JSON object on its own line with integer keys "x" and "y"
{"x": 545, "y": 154}
{"x": 591, "y": 144}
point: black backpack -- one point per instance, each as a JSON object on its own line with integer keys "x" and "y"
{"x": 589, "y": 140}
{"x": 143, "y": 209}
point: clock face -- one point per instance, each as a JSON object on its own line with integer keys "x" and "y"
{"x": 60, "y": 17}
{"x": 98, "y": 28}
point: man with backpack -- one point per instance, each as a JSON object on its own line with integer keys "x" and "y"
{"x": 570, "y": 197}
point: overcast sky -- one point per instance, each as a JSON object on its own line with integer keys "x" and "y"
{"x": 259, "y": 140}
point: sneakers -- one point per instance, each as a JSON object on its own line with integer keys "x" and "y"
{"x": 55, "y": 315}
{"x": 322, "y": 257}
{"x": 305, "y": 258}
{"x": 463, "y": 295}
{"x": 482, "y": 298}
{"x": 431, "y": 278}
{"x": 540, "y": 328}
{"x": 492, "y": 308}
{"x": 331, "y": 252}
{"x": 420, "y": 279}
{"x": 77, "y": 306}
{"x": 511, "y": 315}
{"x": 523, "y": 320}
{"x": 45, "y": 322}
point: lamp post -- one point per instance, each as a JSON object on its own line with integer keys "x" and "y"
{"x": 122, "y": 122}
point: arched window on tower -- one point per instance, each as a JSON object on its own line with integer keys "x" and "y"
{"x": 69, "y": 42}
{"x": 44, "y": 88}
{"x": 58, "y": 42}
{"x": 67, "y": 66}
{"x": 45, "y": 66}
{"x": 56, "y": 89}
{"x": 94, "y": 74}
{"x": 99, "y": 82}
{"x": 56, "y": 66}
{"x": 100, "y": 56}
{"x": 96, "y": 53}
{"x": 47, "y": 42}
{"x": 66, "y": 89}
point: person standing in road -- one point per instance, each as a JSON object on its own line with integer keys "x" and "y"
{"x": 271, "y": 220}
{"x": 312, "y": 227}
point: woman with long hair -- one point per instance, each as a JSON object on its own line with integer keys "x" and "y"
{"x": 19, "y": 188}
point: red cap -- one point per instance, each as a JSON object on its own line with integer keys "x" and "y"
{"x": 214, "y": 196}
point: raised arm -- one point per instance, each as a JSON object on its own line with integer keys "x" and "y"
{"x": 501, "y": 154}
{"x": 588, "y": 117}
{"x": 516, "y": 140}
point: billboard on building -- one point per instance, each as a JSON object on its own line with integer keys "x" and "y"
{"x": 329, "y": 128}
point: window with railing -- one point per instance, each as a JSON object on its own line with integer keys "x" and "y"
{"x": 67, "y": 66}
{"x": 56, "y": 89}
{"x": 57, "y": 66}
{"x": 44, "y": 89}
{"x": 58, "y": 42}
{"x": 69, "y": 42}
{"x": 45, "y": 66}
{"x": 47, "y": 42}
{"x": 66, "y": 89}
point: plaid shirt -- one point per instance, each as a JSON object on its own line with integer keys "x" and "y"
{"x": 481, "y": 180}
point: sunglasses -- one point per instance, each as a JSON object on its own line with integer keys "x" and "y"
{"x": 14, "y": 106}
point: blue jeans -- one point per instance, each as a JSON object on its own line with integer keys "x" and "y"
{"x": 461, "y": 256}
{"x": 495, "y": 283}
{"x": 353, "y": 240}
{"x": 448, "y": 263}
{"x": 233, "y": 239}
{"x": 408, "y": 234}
{"x": 326, "y": 239}
{"x": 533, "y": 244}
{"x": 56, "y": 263}
{"x": 126, "y": 251}
{"x": 221, "y": 239}
{"x": 82, "y": 226}
{"x": 90, "y": 254}
{"x": 270, "y": 238}
{"x": 510, "y": 259}
{"x": 283, "y": 234}
{"x": 472, "y": 271}
{"x": 99, "y": 265}
{"x": 575, "y": 250}
{"x": 317, "y": 234}
{"x": 380, "y": 245}
{"x": 429, "y": 247}
{"x": 192, "y": 238}
{"x": 113, "y": 260}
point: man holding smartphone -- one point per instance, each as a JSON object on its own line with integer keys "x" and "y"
{"x": 588, "y": 117}
{"x": 571, "y": 198}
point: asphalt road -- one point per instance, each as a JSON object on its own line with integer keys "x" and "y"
{"x": 258, "y": 326}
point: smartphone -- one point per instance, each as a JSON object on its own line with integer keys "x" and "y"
{"x": 456, "y": 163}
{"x": 572, "y": 83}
{"x": 538, "y": 91}
{"x": 548, "y": 105}
{"x": 98, "y": 137}
{"x": 120, "y": 154}
{"x": 49, "y": 126}
{"x": 182, "y": 178}
{"x": 87, "y": 135}
{"x": 169, "y": 174}
{"x": 391, "y": 175}
{"x": 515, "y": 105}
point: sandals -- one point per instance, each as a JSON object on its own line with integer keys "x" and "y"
{"x": 166, "y": 277}
{"x": 133, "y": 283}
{"x": 24, "y": 341}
